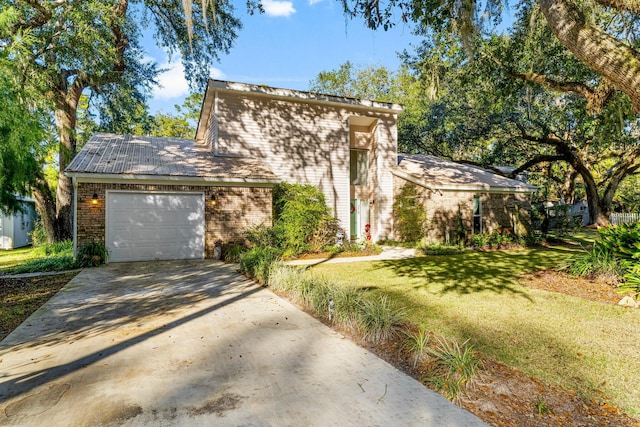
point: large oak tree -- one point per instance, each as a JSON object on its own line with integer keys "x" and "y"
{"x": 607, "y": 46}
{"x": 64, "y": 49}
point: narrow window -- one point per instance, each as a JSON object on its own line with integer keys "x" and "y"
{"x": 359, "y": 165}
{"x": 477, "y": 215}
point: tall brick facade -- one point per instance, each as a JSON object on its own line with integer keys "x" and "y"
{"x": 499, "y": 210}
{"x": 236, "y": 210}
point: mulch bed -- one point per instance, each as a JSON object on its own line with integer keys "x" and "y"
{"x": 19, "y": 297}
{"x": 595, "y": 289}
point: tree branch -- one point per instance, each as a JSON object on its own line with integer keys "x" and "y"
{"x": 542, "y": 158}
{"x": 603, "y": 53}
{"x": 629, "y": 5}
{"x": 596, "y": 98}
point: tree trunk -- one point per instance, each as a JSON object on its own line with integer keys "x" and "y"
{"x": 65, "y": 115}
{"x": 46, "y": 207}
{"x": 603, "y": 53}
{"x": 569, "y": 187}
{"x": 598, "y": 212}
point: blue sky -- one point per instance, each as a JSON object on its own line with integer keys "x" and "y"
{"x": 287, "y": 46}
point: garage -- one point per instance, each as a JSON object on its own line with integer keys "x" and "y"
{"x": 145, "y": 226}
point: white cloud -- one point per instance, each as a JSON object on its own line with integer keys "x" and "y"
{"x": 278, "y": 8}
{"x": 312, "y": 2}
{"x": 215, "y": 73}
{"x": 173, "y": 84}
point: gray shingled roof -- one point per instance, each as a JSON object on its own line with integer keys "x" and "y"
{"x": 112, "y": 154}
{"x": 439, "y": 174}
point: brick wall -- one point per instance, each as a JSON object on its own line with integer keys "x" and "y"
{"x": 498, "y": 211}
{"x": 237, "y": 209}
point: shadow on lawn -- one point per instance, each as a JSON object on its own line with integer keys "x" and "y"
{"x": 474, "y": 272}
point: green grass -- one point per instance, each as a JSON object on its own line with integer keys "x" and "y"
{"x": 576, "y": 343}
{"x": 584, "y": 236}
{"x": 15, "y": 257}
{"x": 56, "y": 257}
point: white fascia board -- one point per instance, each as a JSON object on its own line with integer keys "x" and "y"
{"x": 467, "y": 188}
{"x": 308, "y": 97}
{"x": 172, "y": 180}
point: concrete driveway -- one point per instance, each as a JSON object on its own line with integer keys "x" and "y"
{"x": 194, "y": 343}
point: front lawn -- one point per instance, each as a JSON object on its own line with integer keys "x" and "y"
{"x": 14, "y": 257}
{"x": 587, "y": 346}
{"x": 49, "y": 257}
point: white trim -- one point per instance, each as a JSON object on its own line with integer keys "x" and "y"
{"x": 75, "y": 217}
{"x": 468, "y": 188}
{"x": 171, "y": 180}
{"x": 215, "y": 122}
{"x": 308, "y": 97}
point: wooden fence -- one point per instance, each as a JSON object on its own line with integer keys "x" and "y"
{"x": 626, "y": 218}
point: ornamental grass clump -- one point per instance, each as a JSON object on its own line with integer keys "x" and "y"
{"x": 284, "y": 278}
{"x": 454, "y": 366}
{"x": 417, "y": 343}
{"x": 378, "y": 319}
{"x": 347, "y": 302}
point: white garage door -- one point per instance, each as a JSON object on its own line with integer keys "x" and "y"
{"x": 154, "y": 226}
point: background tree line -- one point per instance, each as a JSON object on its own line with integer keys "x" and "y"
{"x": 557, "y": 93}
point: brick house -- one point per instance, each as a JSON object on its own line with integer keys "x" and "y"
{"x": 166, "y": 198}
{"x": 450, "y": 192}
{"x": 153, "y": 198}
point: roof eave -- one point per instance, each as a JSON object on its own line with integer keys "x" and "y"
{"x": 485, "y": 188}
{"x": 288, "y": 95}
{"x": 171, "y": 179}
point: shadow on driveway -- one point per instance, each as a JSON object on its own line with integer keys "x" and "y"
{"x": 195, "y": 343}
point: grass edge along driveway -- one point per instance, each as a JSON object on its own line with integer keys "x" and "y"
{"x": 579, "y": 344}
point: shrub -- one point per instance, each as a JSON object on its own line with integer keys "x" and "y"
{"x": 632, "y": 281}
{"x": 347, "y": 302}
{"x": 378, "y": 320}
{"x": 283, "y": 278}
{"x": 48, "y": 249}
{"x": 497, "y": 239}
{"x": 438, "y": 249}
{"x": 39, "y": 234}
{"x": 232, "y": 252}
{"x": 410, "y": 214}
{"x": 623, "y": 241}
{"x": 533, "y": 238}
{"x": 319, "y": 294}
{"x": 299, "y": 212}
{"x": 92, "y": 253}
{"x": 614, "y": 256}
{"x": 264, "y": 235}
{"x": 597, "y": 261}
{"x": 480, "y": 241}
{"x": 257, "y": 262}
{"x": 325, "y": 234}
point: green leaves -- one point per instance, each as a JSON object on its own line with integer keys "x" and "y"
{"x": 22, "y": 141}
